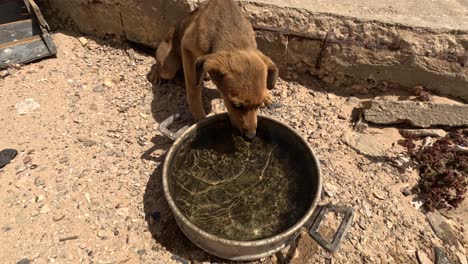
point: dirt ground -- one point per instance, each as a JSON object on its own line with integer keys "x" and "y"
{"x": 86, "y": 185}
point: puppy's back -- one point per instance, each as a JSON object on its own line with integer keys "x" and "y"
{"x": 220, "y": 25}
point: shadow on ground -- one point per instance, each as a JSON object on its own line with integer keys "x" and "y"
{"x": 169, "y": 98}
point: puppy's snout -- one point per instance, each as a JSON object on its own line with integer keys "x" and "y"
{"x": 250, "y": 135}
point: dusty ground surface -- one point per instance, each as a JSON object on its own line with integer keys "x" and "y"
{"x": 90, "y": 162}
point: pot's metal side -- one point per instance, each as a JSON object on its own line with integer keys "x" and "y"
{"x": 226, "y": 248}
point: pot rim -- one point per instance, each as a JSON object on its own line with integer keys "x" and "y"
{"x": 249, "y": 243}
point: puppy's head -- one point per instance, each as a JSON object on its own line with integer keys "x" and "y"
{"x": 242, "y": 78}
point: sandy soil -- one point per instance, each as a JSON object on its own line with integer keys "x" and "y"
{"x": 86, "y": 185}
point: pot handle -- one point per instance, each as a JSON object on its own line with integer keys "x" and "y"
{"x": 163, "y": 127}
{"x": 317, "y": 219}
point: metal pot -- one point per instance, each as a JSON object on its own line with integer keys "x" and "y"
{"x": 251, "y": 250}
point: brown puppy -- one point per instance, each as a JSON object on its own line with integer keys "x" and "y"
{"x": 217, "y": 39}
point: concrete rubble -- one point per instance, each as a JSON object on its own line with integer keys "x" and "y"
{"x": 416, "y": 114}
{"x": 364, "y": 144}
{"x": 417, "y": 133}
{"x": 442, "y": 228}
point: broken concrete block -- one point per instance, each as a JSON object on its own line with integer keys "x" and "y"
{"x": 418, "y": 133}
{"x": 364, "y": 144}
{"x": 442, "y": 228}
{"x": 417, "y": 114}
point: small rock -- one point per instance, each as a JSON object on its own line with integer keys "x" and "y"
{"x": 108, "y": 145}
{"x": 179, "y": 259}
{"x": 380, "y": 195}
{"x": 83, "y": 41}
{"x": 441, "y": 257}
{"x": 93, "y": 107}
{"x": 403, "y": 163}
{"x": 423, "y": 258}
{"x": 342, "y": 117}
{"x": 367, "y": 209}
{"x": 461, "y": 258}
{"x": 6, "y": 156}
{"x": 39, "y": 181}
{"x": 88, "y": 197}
{"x": 4, "y": 73}
{"x": 20, "y": 168}
{"x": 109, "y": 83}
{"x": 102, "y": 235}
{"x": 26, "y": 106}
{"x": 330, "y": 190}
{"x": 63, "y": 239}
{"x": 27, "y": 160}
{"x": 406, "y": 191}
{"x": 361, "y": 126}
{"x": 141, "y": 252}
{"x": 35, "y": 213}
{"x": 442, "y": 228}
{"x": 40, "y": 198}
{"x": 24, "y": 261}
{"x": 275, "y": 105}
{"x": 427, "y": 142}
{"x": 283, "y": 94}
{"x": 423, "y": 133}
{"x": 417, "y": 203}
{"x": 45, "y": 209}
{"x": 57, "y": 218}
{"x": 331, "y": 96}
{"x": 12, "y": 71}
{"x": 87, "y": 142}
{"x": 98, "y": 89}
{"x": 362, "y": 224}
{"x": 388, "y": 223}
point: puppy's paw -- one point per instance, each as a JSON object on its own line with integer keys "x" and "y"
{"x": 153, "y": 76}
{"x": 268, "y": 101}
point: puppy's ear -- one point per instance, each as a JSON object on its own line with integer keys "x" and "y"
{"x": 207, "y": 64}
{"x": 272, "y": 71}
{"x": 167, "y": 57}
{"x": 165, "y": 47}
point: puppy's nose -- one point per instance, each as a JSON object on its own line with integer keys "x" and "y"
{"x": 250, "y": 135}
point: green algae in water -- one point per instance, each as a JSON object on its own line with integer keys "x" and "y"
{"x": 237, "y": 189}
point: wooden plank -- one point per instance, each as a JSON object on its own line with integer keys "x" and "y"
{"x": 18, "y": 30}
{"x": 12, "y": 10}
{"x": 23, "y": 53}
{"x": 37, "y": 13}
{"x": 21, "y": 41}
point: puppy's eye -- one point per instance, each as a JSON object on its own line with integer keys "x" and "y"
{"x": 238, "y": 106}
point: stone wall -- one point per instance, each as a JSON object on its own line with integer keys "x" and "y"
{"x": 361, "y": 55}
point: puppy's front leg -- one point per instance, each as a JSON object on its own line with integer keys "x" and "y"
{"x": 194, "y": 91}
